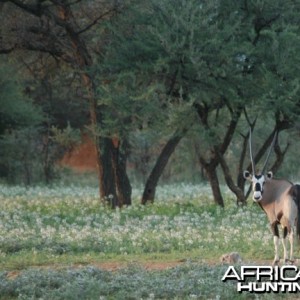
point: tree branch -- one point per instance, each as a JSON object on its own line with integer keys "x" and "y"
{"x": 7, "y": 50}
{"x": 229, "y": 181}
{"x": 86, "y": 28}
{"x": 231, "y": 129}
{"x": 32, "y": 9}
{"x": 260, "y": 24}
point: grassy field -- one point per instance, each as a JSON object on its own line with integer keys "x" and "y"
{"x": 54, "y": 241}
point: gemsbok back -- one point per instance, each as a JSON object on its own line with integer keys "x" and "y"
{"x": 279, "y": 198}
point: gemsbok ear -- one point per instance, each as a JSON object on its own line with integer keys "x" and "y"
{"x": 270, "y": 175}
{"x": 247, "y": 175}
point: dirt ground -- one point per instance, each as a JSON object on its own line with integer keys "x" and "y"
{"x": 114, "y": 266}
{"x": 108, "y": 266}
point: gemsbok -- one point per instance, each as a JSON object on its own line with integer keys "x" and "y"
{"x": 279, "y": 198}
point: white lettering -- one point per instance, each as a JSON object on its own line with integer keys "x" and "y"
{"x": 285, "y": 286}
{"x": 296, "y": 287}
{"x": 247, "y": 287}
{"x": 265, "y": 271}
{"x": 298, "y": 275}
{"x": 248, "y": 271}
{"x": 271, "y": 286}
{"x": 276, "y": 273}
{"x": 283, "y": 271}
{"x": 268, "y": 287}
{"x": 265, "y": 279}
{"x": 228, "y": 276}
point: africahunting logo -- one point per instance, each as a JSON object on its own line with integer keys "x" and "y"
{"x": 264, "y": 279}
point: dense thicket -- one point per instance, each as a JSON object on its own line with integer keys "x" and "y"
{"x": 142, "y": 76}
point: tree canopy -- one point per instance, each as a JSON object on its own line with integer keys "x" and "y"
{"x": 203, "y": 71}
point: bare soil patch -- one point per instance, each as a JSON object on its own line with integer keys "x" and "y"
{"x": 116, "y": 265}
{"x": 112, "y": 266}
{"x": 108, "y": 266}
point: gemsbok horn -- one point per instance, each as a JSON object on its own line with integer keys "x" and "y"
{"x": 279, "y": 198}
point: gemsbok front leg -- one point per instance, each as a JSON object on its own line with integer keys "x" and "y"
{"x": 284, "y": 244}
{"x": 275, "y": 231}
{"x": 291, "y": 239}
{"x": 288, "y": 233}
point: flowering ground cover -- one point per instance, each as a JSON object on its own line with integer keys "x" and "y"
{"x": 45, "y": 232}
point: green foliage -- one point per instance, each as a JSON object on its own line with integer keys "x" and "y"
{"x": 19, "y": 133}
{"x": 24, "y": 159}
{"x": 210, "y": 52}
{"x": 67, "y": 137}
{"x": 57, "y": 90}
{"x": 35, "y": 129}
{"x": 155, "y": 61}
{"x": 165, "y": 57}
{"x": 16, "y": 110}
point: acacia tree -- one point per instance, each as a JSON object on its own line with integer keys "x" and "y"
{"x": 174, "y": 47}
{"x": 236, "y": 70}
{"x": 213, "y": 59}
{"x": 274, "y": 41}
{"x": 64, "y": 30}
{"x": 141, "y": 86}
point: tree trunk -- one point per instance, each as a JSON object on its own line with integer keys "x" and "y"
{"x": 210, "y": 169}
{"x": 47, "y": 166}
{"x": 119, "y": 159}
{"x": 83, "y": 59}
{"x": 162, "y": 160}
{"x": 240, "y": 176}
{"x": 217, "y": 152}
{"x": 211, "y": 172}
{"x": 106, "y": 177}
{"x": 239, "y": 193}
{"x": 27, "y": 171}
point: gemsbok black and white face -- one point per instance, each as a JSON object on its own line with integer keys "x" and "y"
{"x": 257, "y": 182}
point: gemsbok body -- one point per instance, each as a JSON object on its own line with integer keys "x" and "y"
{"x": 279, "y": 198}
